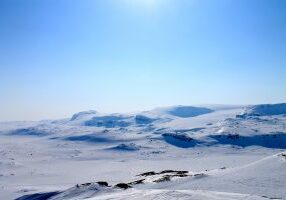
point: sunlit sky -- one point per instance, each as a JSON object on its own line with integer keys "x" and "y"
{"x": 58, "y": 57}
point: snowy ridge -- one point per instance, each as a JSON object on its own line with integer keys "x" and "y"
{"x": 94, "y": 118}
{"x": 265, "y": 109}
{"x": 207, "y": 152}
{"x": 83, "y": 115}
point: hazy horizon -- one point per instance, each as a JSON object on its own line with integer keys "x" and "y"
{"x": 60, "y": 57}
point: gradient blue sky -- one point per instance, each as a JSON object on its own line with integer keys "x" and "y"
{"x": 58, "y": 57}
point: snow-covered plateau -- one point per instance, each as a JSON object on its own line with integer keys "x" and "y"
{"x": 210, "y": 152}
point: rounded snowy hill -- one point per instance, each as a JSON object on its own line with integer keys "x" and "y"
{"x": 94, "y": 118}
{"x": 227, "y": 154}
{"x": 265, "y": 109}
{"x": 181, "y": 111}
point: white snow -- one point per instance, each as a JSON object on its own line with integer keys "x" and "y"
{"x": 266, "y": 109}
{"x": 227, "y": 155}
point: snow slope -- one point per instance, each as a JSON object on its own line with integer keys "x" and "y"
{"x": 263, "y": 176}
{"x": 266, "y": 109}
{"x": 227, "y": 155}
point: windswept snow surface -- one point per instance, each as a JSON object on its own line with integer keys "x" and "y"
{"x": 221, "y": 152}
{"x": 266, "y": 109}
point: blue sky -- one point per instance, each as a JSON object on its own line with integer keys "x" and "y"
{"x": 58, "y": 57}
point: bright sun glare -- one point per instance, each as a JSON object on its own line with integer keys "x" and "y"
{"x": 148, "y": 2}
{"x": 145, "y": 3}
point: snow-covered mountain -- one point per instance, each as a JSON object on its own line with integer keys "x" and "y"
{"x": 188, "y": 152}
{"x": 94, "y": 118}
{"x": 265, "y": 109}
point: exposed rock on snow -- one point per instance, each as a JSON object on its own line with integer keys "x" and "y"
{"x": 90, "y": 190}
{"x": 102, "y": 183}
{"x": 165, "y": 175}
{"x": 126, "y": 147}
{"x": 173, "y": 172}
{"x": 122, "y": 186}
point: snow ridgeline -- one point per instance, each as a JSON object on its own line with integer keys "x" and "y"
{"x": 158, "y": 124}
{"x": 94, "y": 118}
{"x": 265, "y": 109}
{"x": 221, "y": 151}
